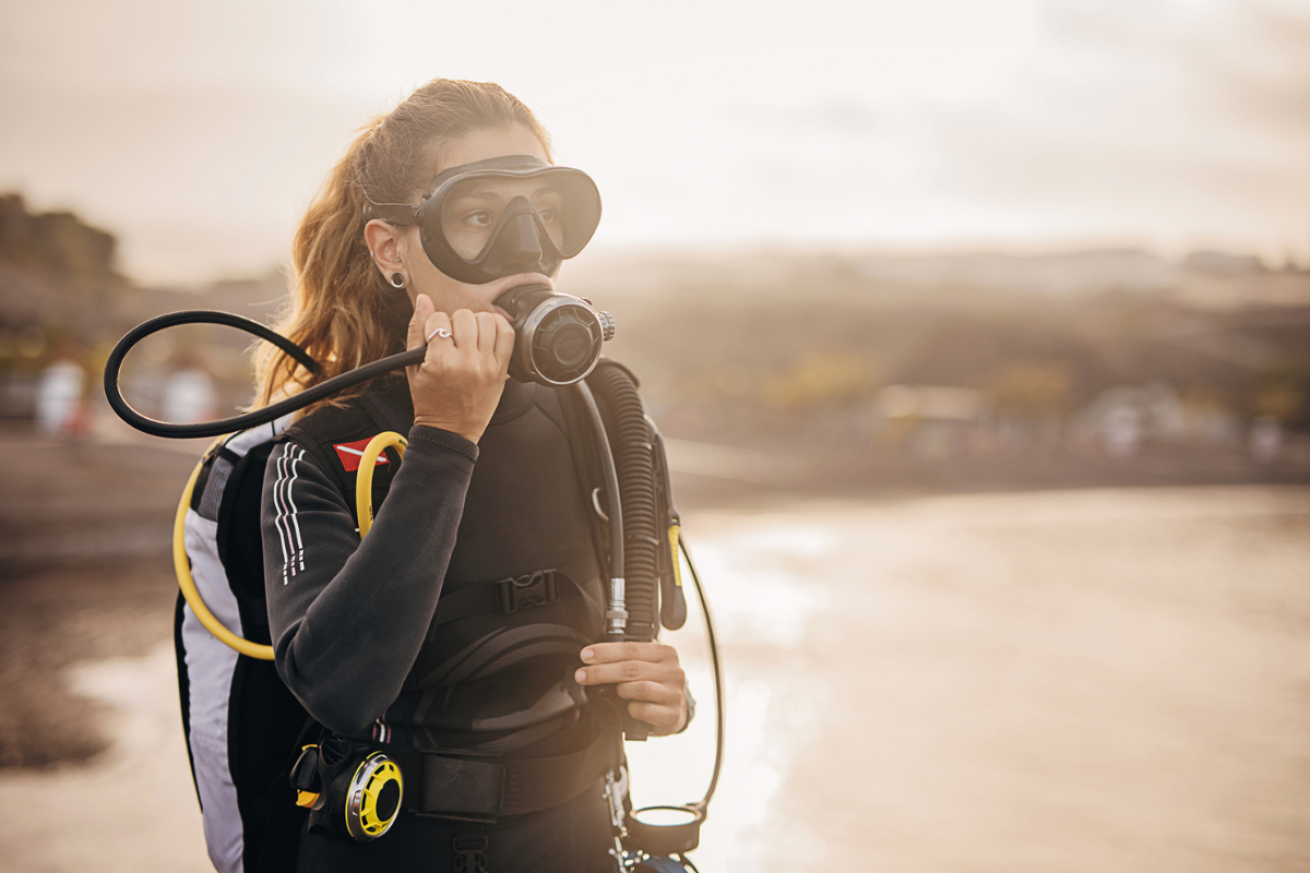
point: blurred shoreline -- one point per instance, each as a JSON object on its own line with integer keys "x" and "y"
{"x": 944, "y": 360}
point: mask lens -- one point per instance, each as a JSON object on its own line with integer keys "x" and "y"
{"x": 470, "y": 212}
{"x": 580, "y": 212}
{"x": 472, "y": 209}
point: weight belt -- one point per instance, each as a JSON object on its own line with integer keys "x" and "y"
{"x": 471, "y": 787}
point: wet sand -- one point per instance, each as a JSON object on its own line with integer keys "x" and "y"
{"x": 1094, "y": 680}
{"x": 1088, "y": 681}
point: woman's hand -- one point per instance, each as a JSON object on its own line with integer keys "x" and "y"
{"x": 648, "y": 674}
{"x": 458, "y": 385}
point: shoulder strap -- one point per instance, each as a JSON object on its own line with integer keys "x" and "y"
{"x": 324, "y": 436}
{"x": 587, "y": 463}
{"x": 385, "y": 413}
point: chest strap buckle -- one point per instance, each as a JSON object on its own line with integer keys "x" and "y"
{"x": 470, "y": 848}
{"x": 526, "y": 592}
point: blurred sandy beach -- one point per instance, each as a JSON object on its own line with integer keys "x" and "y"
{"x": 1081, "y": 679}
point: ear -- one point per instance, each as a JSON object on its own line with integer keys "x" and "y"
{"x": 387, "y": 244}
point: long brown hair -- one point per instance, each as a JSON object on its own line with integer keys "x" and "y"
{"x": 341, "y": 311}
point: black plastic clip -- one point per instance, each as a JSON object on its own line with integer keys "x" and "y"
{"x": 525, "y": 592}
{"x": 304, "y": 777}
{"x": 470, "y": 851}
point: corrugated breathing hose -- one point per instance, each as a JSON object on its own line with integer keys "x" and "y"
{"x": 629, "y": 438}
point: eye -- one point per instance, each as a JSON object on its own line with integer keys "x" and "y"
{"x": 481, "y": 218}
{"x": 548, "y": 203}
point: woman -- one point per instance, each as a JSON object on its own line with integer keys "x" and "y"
{"x": 487, "y": 494}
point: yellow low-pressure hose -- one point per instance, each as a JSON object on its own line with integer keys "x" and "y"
{"x": 364, "y": 479}
{"x": 673, "y": 543}
{"x": 182, "y": 564}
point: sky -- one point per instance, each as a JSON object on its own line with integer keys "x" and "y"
{"x": 199, "y": 132}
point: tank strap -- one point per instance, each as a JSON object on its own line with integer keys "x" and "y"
{"x": 586, "y": 460}
{"x": 385, "y": 413}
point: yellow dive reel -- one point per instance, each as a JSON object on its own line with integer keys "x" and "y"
{"x": 334, "y": 776}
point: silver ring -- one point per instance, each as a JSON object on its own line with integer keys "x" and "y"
{"x": 441, "y": 332}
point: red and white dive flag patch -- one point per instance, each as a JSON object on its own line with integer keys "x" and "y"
{"x": 351, "y": 453}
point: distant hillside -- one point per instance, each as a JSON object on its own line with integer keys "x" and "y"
{"x": 61, "y": 294}
{"x": 55, "y": 271}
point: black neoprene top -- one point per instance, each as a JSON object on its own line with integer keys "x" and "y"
{"x": 356, "y": 629}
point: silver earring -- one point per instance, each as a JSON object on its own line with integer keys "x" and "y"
{"x": 397, "y": 280}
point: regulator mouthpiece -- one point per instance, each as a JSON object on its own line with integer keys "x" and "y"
{"x": 557, "y": 337}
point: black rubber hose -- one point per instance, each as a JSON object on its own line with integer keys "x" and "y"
{"x": 629, "y": 437}
{"x": 252, "y": 419}
{"x": 613, "y": 506}
{"x": 704, "y": 803}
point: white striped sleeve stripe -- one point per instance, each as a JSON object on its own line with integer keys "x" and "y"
{"x": 295, "y": 516}
{"x": 277, "y": 521}
{"x": 287, "y": 524}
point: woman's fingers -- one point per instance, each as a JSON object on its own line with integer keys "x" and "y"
{"x": 419, "y": 328}
{"x": 504, "y": 342}
{"x": 423, "y": 309}
{"x": 647, "y": 674}
{"x": 612, "y": 653}
{"x": 461, "y": 380}
{"x": 464, "y": 325}
{"x": 436, "y": 324}
{"x": 436, "y": 330}
{"x": 418, "y": 323}
{"x": 666, "y": 719}
{"x": 630, "y": 671}
{"x": 495, "y": 340}
{"x": 486, "y": 332}
{"x": 652, "y": 692}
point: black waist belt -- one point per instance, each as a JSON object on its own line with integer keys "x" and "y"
{"x": 480, "y": 788}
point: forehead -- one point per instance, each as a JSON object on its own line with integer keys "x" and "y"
{"x": 495, "y": 143}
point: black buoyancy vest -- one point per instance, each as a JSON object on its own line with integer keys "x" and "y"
{"x": 523, "y": 591}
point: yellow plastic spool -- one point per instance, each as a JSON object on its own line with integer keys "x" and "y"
{"x": 182, "y": 565}
{"x": 364, "y": 821}
{"x": 364, "y": 479}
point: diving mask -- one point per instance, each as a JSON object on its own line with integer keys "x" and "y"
{"x": 494, "y": 218}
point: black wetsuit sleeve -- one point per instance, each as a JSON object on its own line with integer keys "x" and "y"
{"x": 347, "y": 617}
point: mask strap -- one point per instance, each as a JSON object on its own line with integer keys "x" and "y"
{"x": 393, "y": 213}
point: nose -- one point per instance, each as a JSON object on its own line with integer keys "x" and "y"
{"x": 524, "y": 247}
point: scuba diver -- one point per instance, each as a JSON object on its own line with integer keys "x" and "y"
{"x": 463, "y": 639}
{"x": 426, "y": 653}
